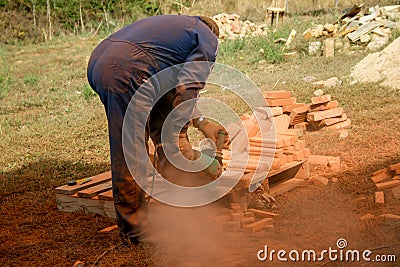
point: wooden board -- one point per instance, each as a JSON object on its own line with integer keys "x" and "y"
{"x": 95, "y": 190}
{"x": 95, "y": 180}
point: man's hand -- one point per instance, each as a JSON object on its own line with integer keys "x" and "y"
{"x": 185, "y": 147}
{"x": 210, "y": 129}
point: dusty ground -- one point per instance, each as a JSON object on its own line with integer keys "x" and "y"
{"x": 51, "y": 133}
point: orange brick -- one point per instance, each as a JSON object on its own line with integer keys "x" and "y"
{"x": 379, "y": 198}
{"x": 281, "y": 123}
{"x": 389, "y": 184}
{"x": 288, "y": 150}
{"x": 287, "y": 140}
{"x": 289, "y": 108}
{"x": 307, "y": 152}
{"x": 236, "y": 216}
{"x": 257, "y": 226}
{"x": 302, "y": 125}
{"x": 231, "y": 226}
{"x": 321, "y": 99}
{"x": 320, "y": 115}
{"x": 298, "y": 155}
{"x": 331, "y": 121}
{"x": 324, "y": 106}
{"x": 379, "y": 172}
{"x": 247, "y": 221}
{"x": 235, "y": 206}
{"x": 394, "y": 167}
{"x": 380, "y": 176}
{"x": 279, "y": 94}
{"x": 338, "y": 126}
{"x": 281, "y": 102}
{"x": 299, "y": 145}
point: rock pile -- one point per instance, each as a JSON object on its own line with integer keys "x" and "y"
{"x": 371, "y": 26}
{"x": 232, "y": 27}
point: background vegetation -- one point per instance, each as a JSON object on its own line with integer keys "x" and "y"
{"x": 40, "y": 20}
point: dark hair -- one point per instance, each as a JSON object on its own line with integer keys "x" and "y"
{"x": 211, "y": 24}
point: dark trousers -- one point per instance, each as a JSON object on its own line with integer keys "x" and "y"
{"x": 116, "y": 70}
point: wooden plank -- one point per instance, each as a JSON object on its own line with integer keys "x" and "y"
{"x": 364, "y": 29}
{"x": 95, "y": 180}
{"x": 95, "y": 190}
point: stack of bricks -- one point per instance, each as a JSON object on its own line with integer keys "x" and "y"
{"x": 325, "y": 113}
{"x": 281, "y": 147}
{"x": 236, "y": 219}
{"x": 297, "y": 112}
{"x": 387, "y": 178}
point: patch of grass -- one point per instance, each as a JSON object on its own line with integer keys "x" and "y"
{"x": 5, "y": 83}
{"x": 30, "y": 79}
{"x": 88, "y": 92}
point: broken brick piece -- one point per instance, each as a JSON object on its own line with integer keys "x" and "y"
{"x": 320, "y": 115}
{"x": 340, "y": 125}
{"x": 321, "y": 99}
{"x": 324, "y": 106}
{"x": 236, "y": 216}
{"x": 302, "y": 125}
{"x": 307, "y": 153}
{"x": 394, "y": 167}
{"x": 331, "y": 121}
{"x": 380, "y": 176}
{"x": 379, "y": 198}
{"x": 259, "y": 225}
{"x": 246, "y": 221}
{"x": 386, "y": 185}
{"x": 279, "y": 94}
{"x": 289, "y": 108}
{"x": 281, "y": 123}
{"x": 232, "y": 226}
{"x": 281, "y": 102}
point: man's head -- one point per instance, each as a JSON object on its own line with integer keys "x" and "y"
{"x": 211, "y": 24}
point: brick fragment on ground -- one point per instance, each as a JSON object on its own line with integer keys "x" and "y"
{"x": 259, "y": 225}
{"x": 324, "y": 106}
{"x": 380, "y": 175}
{"x": 321, "y": 99}
{"x": 379, "y": 198}
{"x": 320, "y": 115}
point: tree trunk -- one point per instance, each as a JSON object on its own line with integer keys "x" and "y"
{"x": 49, "y": 18}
